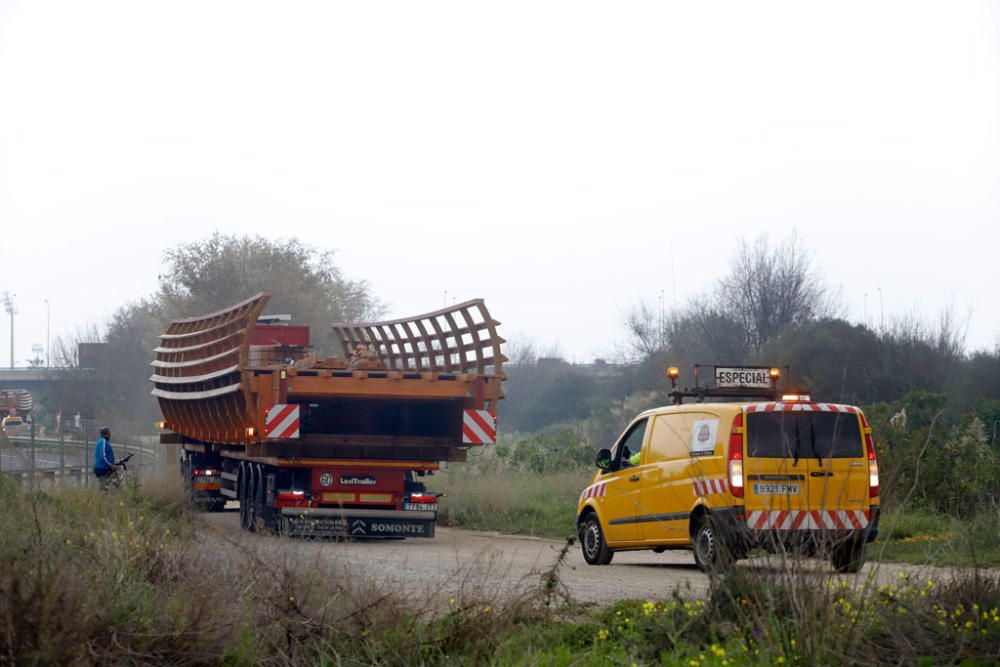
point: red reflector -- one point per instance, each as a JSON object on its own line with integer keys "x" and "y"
{"x": 291, "y": 495}
{"x": 422, "y": 498}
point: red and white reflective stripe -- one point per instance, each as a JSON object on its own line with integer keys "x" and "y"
{"x": 706, "y": 487}
{"x": 594, "y": 490}
{"x": 807, "y": 520}
{"x": 479, "y": 427}
{"x": 282, "y": 421}
{"x": 800, "y": 407}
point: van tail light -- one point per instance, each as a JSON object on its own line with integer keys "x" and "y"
{"x": 872, "y": 460}
{"x": 736, "y": 457}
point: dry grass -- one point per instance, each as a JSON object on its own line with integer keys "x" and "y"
{"x": 511, "y": 501}
{"x": 93, "y": 578}
{"x": 89, "y": 577}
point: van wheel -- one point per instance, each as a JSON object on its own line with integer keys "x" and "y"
{"x": 595, "y": 549}
{"x": 848, "y": 557}
{"x": 710, "y": 553}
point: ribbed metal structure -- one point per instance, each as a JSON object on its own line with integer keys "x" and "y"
{"x": 460, "y": 339}
{"x": 198, "y": 373}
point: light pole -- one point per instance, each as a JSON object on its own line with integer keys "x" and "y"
{"x": 48, "y": 321}
{"x": 881, "y": 311}
{"x": 8, "y": 304}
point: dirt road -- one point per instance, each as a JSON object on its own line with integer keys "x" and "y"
{"x": 494, "y": 564}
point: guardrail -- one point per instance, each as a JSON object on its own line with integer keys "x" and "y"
{"x": 80, "y": 475}
{"x": 48, "y": 461}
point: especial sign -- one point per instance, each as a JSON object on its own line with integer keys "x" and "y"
{"x": 757, "y": 378}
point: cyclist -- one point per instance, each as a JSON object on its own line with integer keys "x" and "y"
{"x": 104, "y": 458}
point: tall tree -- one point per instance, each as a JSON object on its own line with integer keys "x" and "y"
{"x": 208, "y": 275}
{"x": 771, "y": 288}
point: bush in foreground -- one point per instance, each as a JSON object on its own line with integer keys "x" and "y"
{"x": 92, "y": 578}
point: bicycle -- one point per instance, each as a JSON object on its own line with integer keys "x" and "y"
{"x": 118, "y": 476}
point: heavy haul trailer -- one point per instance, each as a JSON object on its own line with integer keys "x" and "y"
{"x": 318, "y": 445}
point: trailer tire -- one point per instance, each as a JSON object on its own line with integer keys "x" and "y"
{"x": 262, "y": 513}
{"x": 247, "y": 487}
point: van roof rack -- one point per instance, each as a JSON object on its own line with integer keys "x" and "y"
{"x": 731, "y": 381}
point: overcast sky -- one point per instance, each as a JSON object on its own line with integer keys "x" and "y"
{"x": 560, "y": 160}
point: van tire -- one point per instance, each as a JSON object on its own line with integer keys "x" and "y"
{"x": 848, "y": 557}
{"x": 711, "y": 554}
{"x": 595, "y": 549}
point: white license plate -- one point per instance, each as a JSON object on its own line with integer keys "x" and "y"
{"x": 420, "y": 506}
{"x": 775, "y": 489}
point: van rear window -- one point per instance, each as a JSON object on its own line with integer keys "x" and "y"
{"x": 804, "y": 435}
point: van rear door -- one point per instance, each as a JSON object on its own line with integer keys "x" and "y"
{"x": 776, "y": 476}
{"x": 823, "y": 468}
{"x": 838, "y": 467}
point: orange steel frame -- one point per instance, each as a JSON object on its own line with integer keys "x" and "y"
{"x": 208, "y": 393}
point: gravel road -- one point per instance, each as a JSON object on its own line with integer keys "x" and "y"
{"x": 493, "y": 564}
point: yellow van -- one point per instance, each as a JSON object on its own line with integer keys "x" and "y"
{"x": 722, "y": 478}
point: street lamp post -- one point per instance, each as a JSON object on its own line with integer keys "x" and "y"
{"x": 48, "y": 321}
{"x": 8, "y": 303}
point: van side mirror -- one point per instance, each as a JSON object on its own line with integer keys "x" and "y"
{"x": 603, "y": 459}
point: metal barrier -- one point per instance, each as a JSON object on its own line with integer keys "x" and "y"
{"x": 50, "y": 461}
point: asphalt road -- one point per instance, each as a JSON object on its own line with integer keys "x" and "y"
{"x": 456, "y": 559}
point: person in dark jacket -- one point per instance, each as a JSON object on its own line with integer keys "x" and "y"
{"x": 104, "y": 456}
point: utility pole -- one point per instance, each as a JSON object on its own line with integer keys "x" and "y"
{"x": 8, "y": 304}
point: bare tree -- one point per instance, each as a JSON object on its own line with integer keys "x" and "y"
{"x": 647, "y": 334}
{"x": 771, "y": 288}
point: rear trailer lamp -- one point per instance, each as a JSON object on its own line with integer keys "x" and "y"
{"x": 422, "y": 498}
{"x": 291, "y": 495}
{"x": 736, "y": 456}
{"x": 207, "y": 472}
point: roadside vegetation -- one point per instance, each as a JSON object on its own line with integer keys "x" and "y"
{"x": 92, "y": 578}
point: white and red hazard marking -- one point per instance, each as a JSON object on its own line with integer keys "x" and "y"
{"x": 807, "y": 520}
{"x": 282, "y": 421}
{"x": 706, "y": 487}
{"x": 594, "y": 490}
{"x": 479, "y": 427}
{"x": 800, "y": 407}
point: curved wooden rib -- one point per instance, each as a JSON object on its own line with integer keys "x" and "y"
{"x": 460, "y": 339}
{"x": 199, "y": 380}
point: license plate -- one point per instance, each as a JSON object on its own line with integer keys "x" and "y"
{"x": 420, "y": 506}
{"x": 775, "y": 489}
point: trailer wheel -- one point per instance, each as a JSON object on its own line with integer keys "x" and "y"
{"x": 247, "y": 487}
{"x": 262, "y": 513}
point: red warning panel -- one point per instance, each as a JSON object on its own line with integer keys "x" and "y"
{"x": 479, "y": 427}
{"x": 282, "y": 422}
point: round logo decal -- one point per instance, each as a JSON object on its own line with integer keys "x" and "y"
{"x": 326, "y": 479}
{"x": 704, "y": 433}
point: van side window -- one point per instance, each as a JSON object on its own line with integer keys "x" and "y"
{"x": 630, "y": 443}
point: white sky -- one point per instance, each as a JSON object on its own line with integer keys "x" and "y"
{"x": 554, "y": 158}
